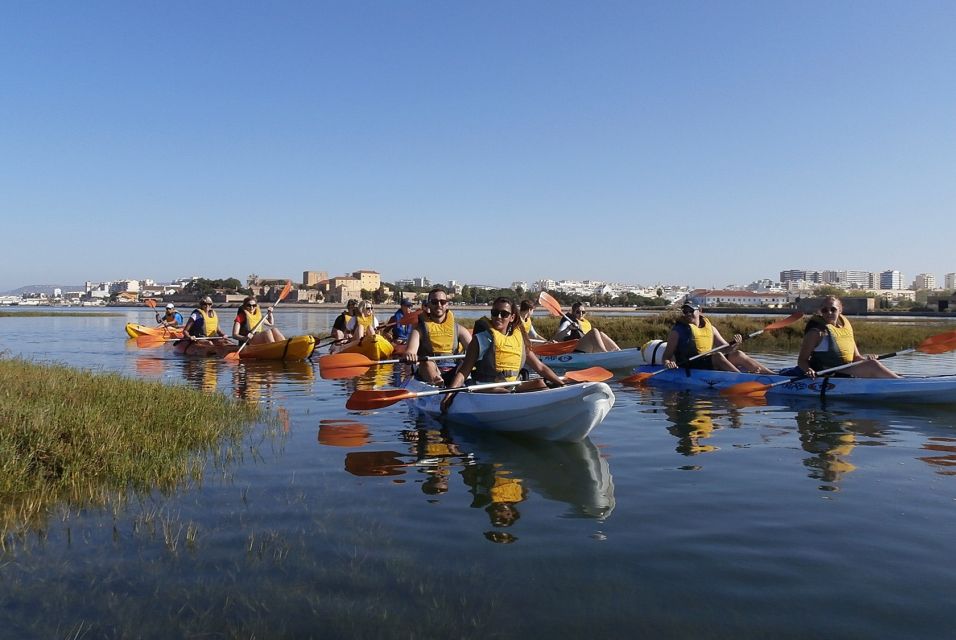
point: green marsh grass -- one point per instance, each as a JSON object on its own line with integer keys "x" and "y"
{"x": 872, "y": 335}
{"x": 80, "y": 438}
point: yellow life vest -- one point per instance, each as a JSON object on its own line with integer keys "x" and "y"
{"x": 438, "y": 338}
{"x": 252, "y": 320}
{"x": 500, "y": 356}
{"x": 842, "y": 342}
{"x": 703, "y": 337}
{"x": 526, "y": 324}
{"x": 210, "y": 322}
{"x": 585, "y": 326}
{"x": 507, "y": 489}
{"x": 365, "y": 321}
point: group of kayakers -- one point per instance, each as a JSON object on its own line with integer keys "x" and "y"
{"x": 828, "y": 342}
{"x": 249, "y": 326}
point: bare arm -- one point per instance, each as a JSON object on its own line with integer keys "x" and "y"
{"x": 811, "y": 339}
{"x": 541, "y": 368}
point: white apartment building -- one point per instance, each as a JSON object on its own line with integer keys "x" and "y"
{"x": 949, "y": 281}
{"x": 924, "y": 281}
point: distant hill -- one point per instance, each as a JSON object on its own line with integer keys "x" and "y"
{"x": 43, "y": 288}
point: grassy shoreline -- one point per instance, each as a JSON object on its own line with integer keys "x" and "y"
{"x": 81, "y": 438}
{"x": 59, "y": 314}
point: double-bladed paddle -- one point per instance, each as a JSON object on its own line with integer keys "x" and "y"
{"x": 640, "y": 378}
{"x": 365, "y": 399}
{"x": 234, "y": 356}
{"x": 939, "y": 343}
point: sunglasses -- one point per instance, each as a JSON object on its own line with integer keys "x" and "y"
{"x": 251, "y": 304}
{"x": 500, "y": 313}
{"x": 438, "y": 302}
{"x": 829, "y": 309}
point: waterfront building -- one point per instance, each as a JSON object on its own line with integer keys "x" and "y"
{"x": 949, "y": 281}
{"x": 724, "y": 297}
{"x": 891, "y": 279}
{"x": 924, "y": 281}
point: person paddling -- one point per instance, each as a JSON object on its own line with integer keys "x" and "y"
{"x": 401, "y": 332}
{"x": 203, "y": 323}
{"x": 525, "y": 311}
{"x": 249, "y": 318}
{"x": 436, "y": 334}
{"x": 499, "y": 353}
{"x": 340, "y": 325}
{"x": 170, "y": 318}
{"x": 828, "y": 342}
{"x": 693, "y": 334}
{"x": 577, "y": 327}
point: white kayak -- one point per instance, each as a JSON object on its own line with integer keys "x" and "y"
{"x": 623, "y": 359}
{"x": 564, "y": 414}
{"x": 929, "y": 390}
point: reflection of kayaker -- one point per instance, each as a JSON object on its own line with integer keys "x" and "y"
{"x": 691, "y": 421}
{"x": 824, "y": 436}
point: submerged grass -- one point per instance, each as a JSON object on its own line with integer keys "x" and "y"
{"x": 80, "y": 438}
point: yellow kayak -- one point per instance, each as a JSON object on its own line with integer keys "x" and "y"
{"x": 373, "y": 347}
{"x": 136, "y": 330}
{"x": 297, "y": 348}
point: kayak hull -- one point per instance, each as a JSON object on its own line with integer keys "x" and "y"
{"x": 623, "y": 359}
{"x": 563, "y": 414}
{"x": 297, "y": 348}
{"x": 931, "y": 390}
{"x": 136, "y": 330}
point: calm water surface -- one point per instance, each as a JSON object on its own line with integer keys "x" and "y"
{"x": 680, "y": 516}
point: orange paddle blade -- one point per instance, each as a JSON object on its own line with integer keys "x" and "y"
{"x": 150, "y": 303}
{"x": 548, "y": 301}
{"x": 231, "y": 357}
{"x": 750, "y": 388}
{"x": 937, "y": 347}
{"x": 367, "y": 400}
{"x": 591, "y": 374}
{"x": 637, "y": 378}
{"x": 555, "y": 348}
{"x": 411, "y": 318}
{"x": 285, "y": 290}
{"x": 343, "y": 373}
{"x": 946, "y": 336}
{"x": 779, "y": 324}
{"x": 344, "y": 360}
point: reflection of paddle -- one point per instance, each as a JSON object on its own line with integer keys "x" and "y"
{"x": 349, "y": 365}
{"x": 640, "y": 378}
{"x": 148, "y": 341}
{"x": 939, "y": 343}
{"x": 364, "y": 399}
{"x": 234, "y": 356}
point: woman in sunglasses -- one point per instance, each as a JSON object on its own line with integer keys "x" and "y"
{"x": 250, "y": 325}
{"x": 828, "y": 342}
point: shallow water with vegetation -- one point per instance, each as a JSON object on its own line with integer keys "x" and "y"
{"x": 680, "y": 516}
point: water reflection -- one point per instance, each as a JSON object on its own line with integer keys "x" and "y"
{"x": 695, "y": 417}
{"x": 831, "y": 435}
{"x": 498, "y": 473}
{"x": 946, "y": 461}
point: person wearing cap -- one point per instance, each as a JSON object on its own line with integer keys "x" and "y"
{"x": 577, "y": 327}
{"x": 693, "y": 334}
{"x": 203, "y": 322}
{"x": 171, "y": 318}
{"x": 401, "y": 332}
{"x": 252, "y": 327}
{"x": 340, "y": 327}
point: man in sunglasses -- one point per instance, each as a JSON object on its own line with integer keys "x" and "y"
{"x": 694, "y": 334}
{"x": 499, "y": 352}
{"x": 436, "y": 334}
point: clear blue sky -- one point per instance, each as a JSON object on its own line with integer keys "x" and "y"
{"x": 693, "y": 143}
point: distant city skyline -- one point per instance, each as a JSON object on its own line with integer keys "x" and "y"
{"x": 643, "y": 142}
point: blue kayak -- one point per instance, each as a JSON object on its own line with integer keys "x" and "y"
{"x": 930, "y": 390}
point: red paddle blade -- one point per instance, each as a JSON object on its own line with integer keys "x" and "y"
{"x": 591, "y": 374}
{"x": 750, "y": 388}
{"x": 367, "y": 400}
{"x": 150, "y": 303}
{"x": 555, "y": 348}
{"x": 937, "y": 347}
{"x": 548, "y": 301}
{"x": 231, "y": 357}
